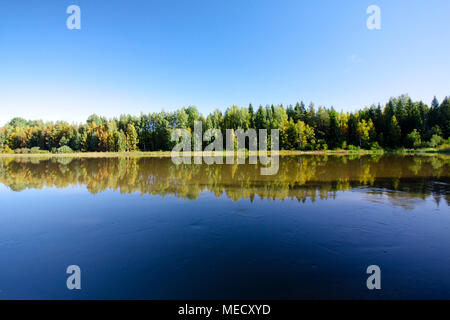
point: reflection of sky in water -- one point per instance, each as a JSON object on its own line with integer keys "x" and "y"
{"x": 399, "y": 198}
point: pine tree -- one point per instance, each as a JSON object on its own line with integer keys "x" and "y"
{"x": 394, "y": 133}
{"x": 251, "y": 116}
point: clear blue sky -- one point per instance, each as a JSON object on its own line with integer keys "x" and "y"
{"x": 132, "y": 56}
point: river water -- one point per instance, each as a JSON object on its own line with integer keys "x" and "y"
{"x": 145, "y": 228}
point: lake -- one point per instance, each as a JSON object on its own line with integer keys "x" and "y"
{"x": 145, "y": 228}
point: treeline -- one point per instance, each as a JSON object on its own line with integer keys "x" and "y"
{"x": 401, "y": 123}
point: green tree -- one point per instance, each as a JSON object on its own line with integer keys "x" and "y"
{"x": 121, "y": 141}
{"x": 18, "y": 123}
{"x": 132, "y": 138}
{"x": 413, "y": 139}
{"x": 394, "y": 133}
{"x": 2, "y": 138}
{"x": 289, "y": 135}
{"x": 365, "y": 131}
{"x": 261, "y": 118}
{"x": 251, "y": 117}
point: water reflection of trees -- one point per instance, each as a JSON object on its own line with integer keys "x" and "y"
{"x": 301, "y": 178}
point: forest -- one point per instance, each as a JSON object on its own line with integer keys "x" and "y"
{"x": 400, "y": 123}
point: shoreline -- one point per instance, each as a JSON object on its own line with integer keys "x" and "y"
{"x": 168, "y": 154}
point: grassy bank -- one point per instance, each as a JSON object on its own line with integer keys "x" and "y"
{"x": 442, "y": 149}
{"x": 168, "y": 154}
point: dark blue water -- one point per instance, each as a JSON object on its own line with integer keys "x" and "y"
{"x": 168, "y": 234}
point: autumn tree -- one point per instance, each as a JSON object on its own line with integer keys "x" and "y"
{"x": 132, "y": 138}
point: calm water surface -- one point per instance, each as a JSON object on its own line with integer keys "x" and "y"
{"x": 144, "y": 228}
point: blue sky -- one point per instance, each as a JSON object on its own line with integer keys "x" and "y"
{"x": 132, "y": 56}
